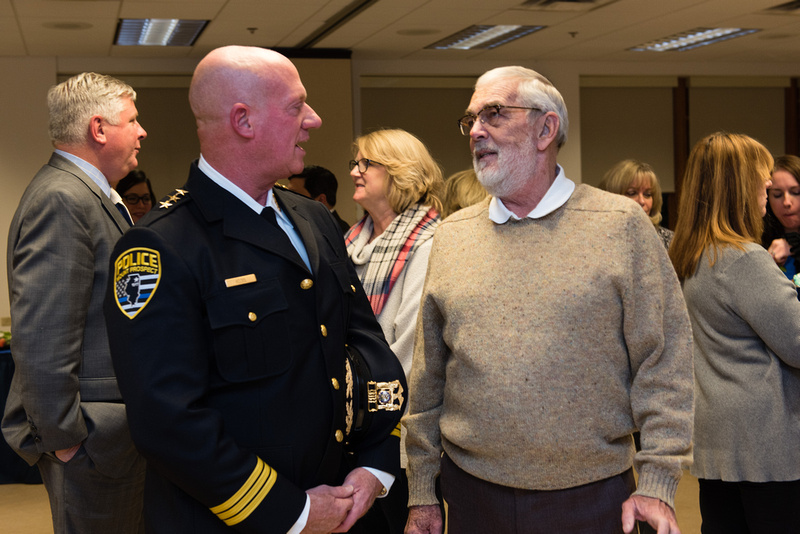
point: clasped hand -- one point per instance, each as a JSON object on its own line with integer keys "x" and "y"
{"x": 337, "y": 508}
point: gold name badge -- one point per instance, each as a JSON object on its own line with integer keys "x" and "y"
{"x": 240, "y": 280}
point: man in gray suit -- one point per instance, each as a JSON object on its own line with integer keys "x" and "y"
{"x": 64, "y": 410}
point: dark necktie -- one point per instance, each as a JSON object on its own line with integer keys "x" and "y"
{"x": 124, "y": 212}
{"x": 269, "y": 215}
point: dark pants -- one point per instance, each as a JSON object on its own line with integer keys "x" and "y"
{"x": 85, "y": 501}
{"x": 477, "y": 506}
{"x": 749, "y": 507}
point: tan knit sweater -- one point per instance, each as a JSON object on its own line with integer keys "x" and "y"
{"x": 542, "y": 344}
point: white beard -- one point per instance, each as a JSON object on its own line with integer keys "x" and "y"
{"x": 512, "y": 169}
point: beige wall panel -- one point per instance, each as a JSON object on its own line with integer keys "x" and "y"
{"x": 429, "y": 113}
{"x": 171, "y": 143}
{"x": 330, "y": 93}
{"x": 24, "y": 142}
{"x": 626, "y": 123}
{"x": 755, "y": 111}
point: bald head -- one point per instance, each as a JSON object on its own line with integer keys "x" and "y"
{"x": 234, "y": 74}
{"x": 252, "y": 116}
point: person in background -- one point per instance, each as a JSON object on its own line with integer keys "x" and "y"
{"x": 320, "y": 184}
{"x": 229, "y": 312}
{"x": 638, "y": 181}
{"x": 64, "y": 411}
{"x": 746, "y": 322}
{"x": 398, "y": 184}
{"x": 782, "y": 222}
{"x": 461, "y": 190}
{"x": 551, "y": 327}
{"x": 137, "y": 194}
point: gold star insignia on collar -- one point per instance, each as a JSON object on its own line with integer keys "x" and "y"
{"x": 172, "y": 198}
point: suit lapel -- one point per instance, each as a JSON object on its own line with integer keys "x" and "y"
{"x": 111, "y": 210}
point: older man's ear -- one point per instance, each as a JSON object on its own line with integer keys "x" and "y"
{"x": 548, "y": 131}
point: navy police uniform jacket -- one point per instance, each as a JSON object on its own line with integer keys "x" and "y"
{"x": 230, "y": 358}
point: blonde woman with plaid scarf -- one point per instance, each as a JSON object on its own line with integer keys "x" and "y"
{"x": 399, "y": 185}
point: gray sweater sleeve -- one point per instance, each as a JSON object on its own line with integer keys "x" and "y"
{"x": 767, "y": 301}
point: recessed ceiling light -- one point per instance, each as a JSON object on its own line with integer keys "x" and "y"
{"x": 692, "y": 39}
{"x": 483, "y": 37}
{"x": 158, "y": 32}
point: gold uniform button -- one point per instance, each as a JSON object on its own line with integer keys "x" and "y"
{"x": 339, "y": 436}
{"x": 307, "y": 284}
{"x": 324, "y": 330}
{"x": 335, "y": 383}
{"x": 252, "y": 316}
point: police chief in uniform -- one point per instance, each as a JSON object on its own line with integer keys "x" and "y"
{"x": 231, "y": 307}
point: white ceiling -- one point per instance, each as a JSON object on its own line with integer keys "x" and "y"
{"x": 602, "y": 30}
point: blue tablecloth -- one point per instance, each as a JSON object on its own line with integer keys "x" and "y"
{"x": 13, "y": 469}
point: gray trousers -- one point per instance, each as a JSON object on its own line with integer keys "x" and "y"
{"x": 85, "y": 501}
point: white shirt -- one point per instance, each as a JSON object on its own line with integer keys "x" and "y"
{"x": 556, "y": 196}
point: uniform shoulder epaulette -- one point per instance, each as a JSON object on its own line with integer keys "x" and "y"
{"x": 173, "y": 199}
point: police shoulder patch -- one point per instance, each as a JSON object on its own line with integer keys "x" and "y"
{"x": 137, "y": 272}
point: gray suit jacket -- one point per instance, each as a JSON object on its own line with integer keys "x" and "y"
{"x": 64, "y": 390}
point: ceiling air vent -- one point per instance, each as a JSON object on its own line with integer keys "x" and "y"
{"x": 563, "y": 5}
{"x": 789, "y": 7}
{"x": 531, "y": 3}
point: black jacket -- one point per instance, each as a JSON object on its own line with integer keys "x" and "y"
{"x": 235, "y": 353}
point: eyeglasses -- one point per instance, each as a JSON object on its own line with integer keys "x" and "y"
{"x": 135, "y": 199}
{"x": 363, "y": 164}
{"x": 490, "y": 115}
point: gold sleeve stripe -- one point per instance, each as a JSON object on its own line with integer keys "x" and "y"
{"x": 396, "y": 431}
{"x": 243, "y": 502}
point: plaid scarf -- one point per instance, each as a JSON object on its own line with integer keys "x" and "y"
{"x": 393, "y": 249}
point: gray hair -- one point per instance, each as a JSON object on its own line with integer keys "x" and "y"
{"x": 533, "y": 90}
{"x": 72, "y": 103}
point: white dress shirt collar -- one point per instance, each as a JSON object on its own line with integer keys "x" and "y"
{"x": 556, "y": 196}
{"x": 92, "y": 172}
{"x": 231, "y": 187}
{"x": 283, "y": 221}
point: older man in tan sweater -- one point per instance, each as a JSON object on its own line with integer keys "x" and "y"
{"x": 552, "y": 326}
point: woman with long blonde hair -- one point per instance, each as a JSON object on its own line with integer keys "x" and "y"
{"x": 399, "y": 185}
{"x": 746, "y": 323}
